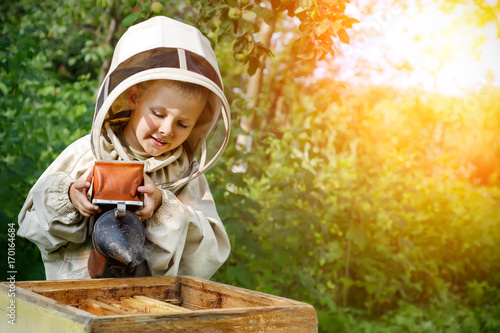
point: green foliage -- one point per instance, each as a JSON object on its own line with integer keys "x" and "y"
{"x": 238, "y": 22}
{"x": 444, "y": 313}
{"x": 367, "y": 208}
{"x": 42, "y": 112}
{"x": 378, "y": 207}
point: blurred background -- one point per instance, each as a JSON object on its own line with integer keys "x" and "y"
{"x": 363, "y": 171}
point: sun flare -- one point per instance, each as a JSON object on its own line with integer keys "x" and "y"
{"x": 449, "y": 51}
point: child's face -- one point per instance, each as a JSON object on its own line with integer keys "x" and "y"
{"x": 162, "y": 118}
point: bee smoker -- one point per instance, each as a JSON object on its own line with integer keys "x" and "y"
{"x": 117, "y": 234}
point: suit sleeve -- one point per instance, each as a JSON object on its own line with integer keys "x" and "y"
{"x": 48, "y": 218}
{"x": 52, "y": 221}
{"x": 186, "y": 236}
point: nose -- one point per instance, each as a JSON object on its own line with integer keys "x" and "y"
{"x": 166, "y": 127}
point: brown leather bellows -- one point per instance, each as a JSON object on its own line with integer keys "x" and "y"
{"x": 118, "y": 234}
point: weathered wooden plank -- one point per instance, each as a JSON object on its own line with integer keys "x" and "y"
{"x": 269, "y": 319}
{"x": 72, "y": 296}
{"x": 148, "y": 307}
{"x": 39, "y": 314}
{"x": 99, "y": 308}
{"x": 117, "y": 304}
{"x": 202, "y": 294}
{"x": 98, "y": 283}
{"x": 71, "y": 291}
{"x": 160, "y": 304}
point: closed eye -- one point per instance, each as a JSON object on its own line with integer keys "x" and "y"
{"x": 157, "y": 114}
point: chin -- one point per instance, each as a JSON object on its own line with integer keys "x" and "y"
{"x": 156, "y": 152}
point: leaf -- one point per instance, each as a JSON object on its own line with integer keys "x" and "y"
{"x": 253, "y": 65}
{"x": 240, "y": 274}
{"x": 349, "y": 22}
{"x": 248, "y": 15}
{"x": 357, "y": 235}
{"x": 343, "y": 36}
{"x": 299, "y": 10}
{"x": 321, "y": 27}
{"x": 264, "y": 49}
{"x": 233, "y": 3}
{"x": 3, "y": 89}
{"x": 130, "y": 19}
{"x": 315, "y": 14}
{"x": 265, "y": 13}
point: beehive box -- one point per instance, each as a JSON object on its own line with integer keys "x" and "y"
{"x": 151, "y": 304}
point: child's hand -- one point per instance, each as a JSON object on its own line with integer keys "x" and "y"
{"x": 152, "y": 198}
{"x": 78, "y": 194}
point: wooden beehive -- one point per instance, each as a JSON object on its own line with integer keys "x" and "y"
{"x": 151, "y": 304}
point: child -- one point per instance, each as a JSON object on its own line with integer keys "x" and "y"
{"x": 159, "y": 103}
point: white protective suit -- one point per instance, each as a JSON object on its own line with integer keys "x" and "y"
{"x": 185, "y": 236}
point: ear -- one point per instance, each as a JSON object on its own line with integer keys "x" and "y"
{"x": 133, "y": 94}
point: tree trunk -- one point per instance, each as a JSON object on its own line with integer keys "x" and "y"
{"x": 253, "y": 90}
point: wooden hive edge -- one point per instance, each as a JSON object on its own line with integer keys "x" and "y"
{"x": 222, "y": 294}
{"x": 70, "y": 291}
{"x": 62, "y": 285}
{"x": 48, "y": 312}
{"x": 254, "y": 319}
{"x": 266, "y": 312}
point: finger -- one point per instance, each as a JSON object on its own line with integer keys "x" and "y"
{"x": 86, "y": 206}
{"x": 148, "y": 180}
{"x": 140, "y": 214}
{"x": 87, "y": 176}
{"x": 90, "y": 173}
{"x": 81, "y": 201}
{"x": 147, "y": 189}
{"x": 144, "y": 213}
{"x": 81, "y": 185}
{"x": 88, "y": 212}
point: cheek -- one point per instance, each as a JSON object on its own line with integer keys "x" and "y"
{"x": 184, "y": 134}
{"x": 146, "y": 124}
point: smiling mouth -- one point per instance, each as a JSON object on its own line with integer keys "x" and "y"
{"x": 158, "y": 141}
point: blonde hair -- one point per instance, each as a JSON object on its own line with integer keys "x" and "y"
{"x": 187, "y": 89}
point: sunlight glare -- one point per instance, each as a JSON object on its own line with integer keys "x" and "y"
{"x": 449, "y": 53}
